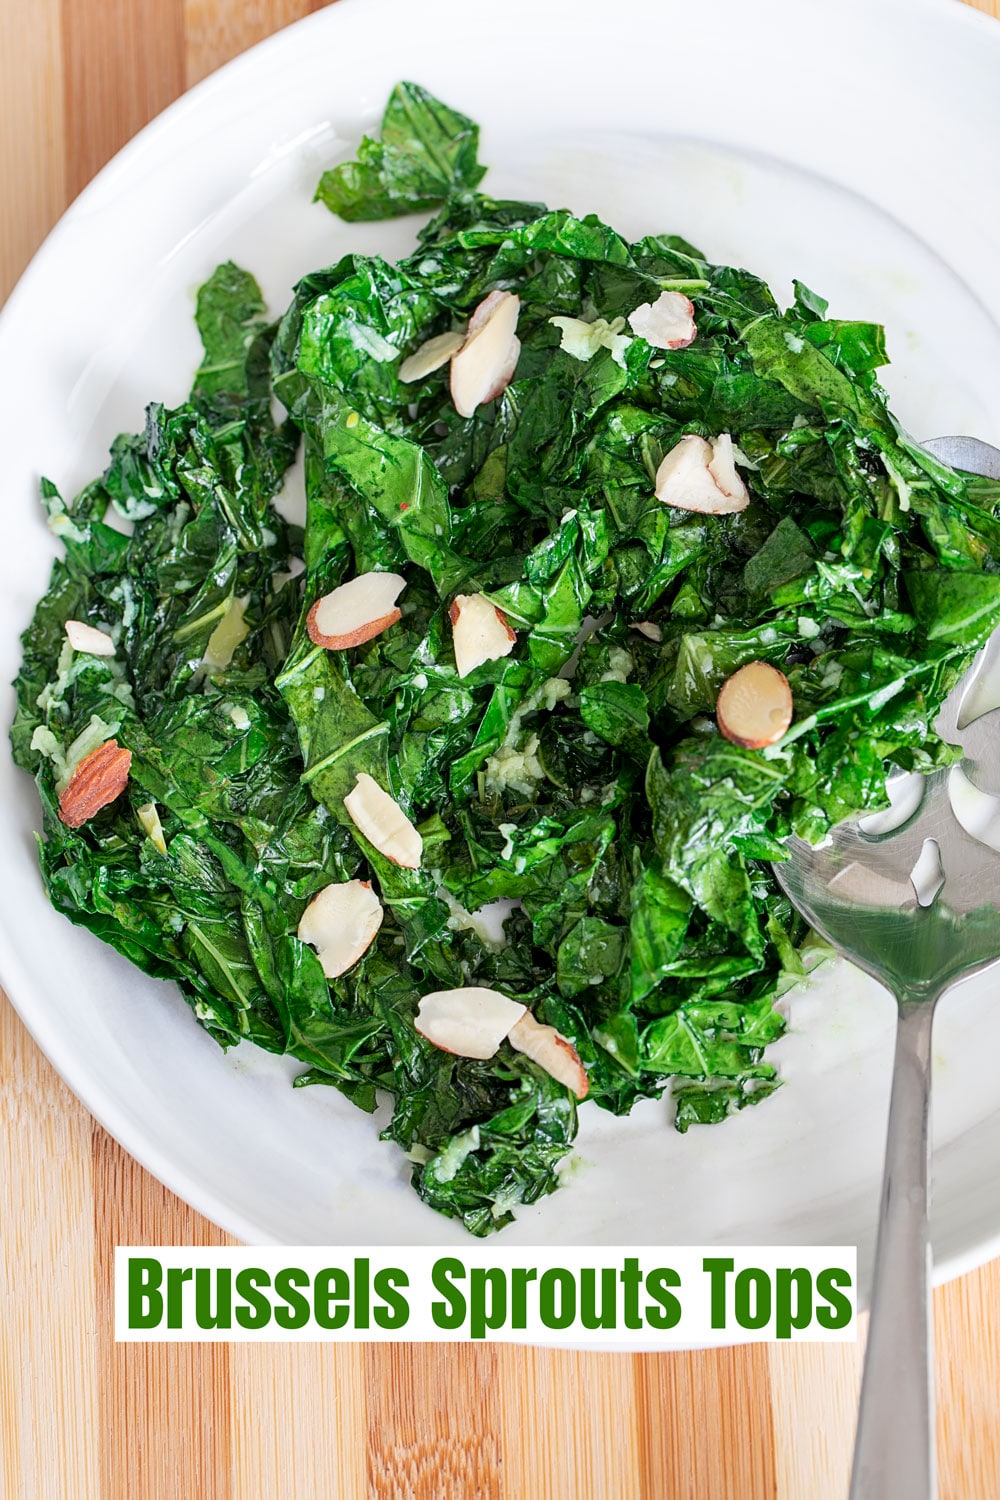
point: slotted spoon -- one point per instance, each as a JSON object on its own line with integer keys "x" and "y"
{"x": 913, "y": 898}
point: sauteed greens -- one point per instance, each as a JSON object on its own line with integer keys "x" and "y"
{"x": 586, "y": 785}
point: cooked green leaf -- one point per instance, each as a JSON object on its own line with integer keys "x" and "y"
{"x": 426, "y": 152}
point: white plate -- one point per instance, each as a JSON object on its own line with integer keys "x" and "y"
{"x": 846, "y": 143}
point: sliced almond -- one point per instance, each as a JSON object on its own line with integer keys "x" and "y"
{"x": 686, "y": 478}
{"x": 667, "y": 323}
{"x": 470, "y": 1022}
{"x": 83, "y": 637}
{"x": 505, "y": 374}
{"x": 430, "y": 356}
{"x": 480, "y": 632}
{"x": 550, "y": 1050}
{"x": 355, "y": 612}
{"x": 723, "y": 470}
{"x": 754, "y": 706}
{"x": 649, "y": 629}
{"x": 99, "y": 778}
{"x": 486, "y": 362}
{"x": 384, "y": 823}
{"x": 683, "y": 478}
{"x": 483, "y": 313}
{"x": 341, "y": 923}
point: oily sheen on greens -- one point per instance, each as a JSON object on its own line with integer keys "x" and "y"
{"x": 587, "y": 783}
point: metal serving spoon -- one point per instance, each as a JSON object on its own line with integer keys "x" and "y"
{"x": 911, "y": 897}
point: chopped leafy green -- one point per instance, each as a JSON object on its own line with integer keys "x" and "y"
{"x": 581, "y": 779}
{"x": 426, "y": 152}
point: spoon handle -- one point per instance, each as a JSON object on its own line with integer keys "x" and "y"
{"x": 894, "y": 1448}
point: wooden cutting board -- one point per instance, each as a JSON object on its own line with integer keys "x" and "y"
{"x": 82, "y": 1419}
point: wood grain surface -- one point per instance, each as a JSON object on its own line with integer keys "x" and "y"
{"x": 84, "y": 1419}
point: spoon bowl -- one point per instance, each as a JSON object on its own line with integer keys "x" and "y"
{"x": 911, "y": 896}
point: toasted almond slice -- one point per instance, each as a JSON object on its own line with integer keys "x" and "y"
{"x": 649, "y": 629}
{"x": 550, "y": 1050}
{"x": 667, "y": 323}
{"x": 384, "y": 823}
{"x": 430, "y": 356}
{"x": 485, "y": 364}
{"x": 99, "y": 778}
{"x": 470, "y": 1022}
{"x": 506, "y": 374}
{"x": 723, "y": 470}
{"x": 83, "y": 637}
{"x": 482, "y": 314}
{"x": 355, "y": 612}
{"x": 341, "y": 923}
{"x": 685, "y": 478}
{"x": 480, "y": 632}
{"x": 754, "y": 706}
